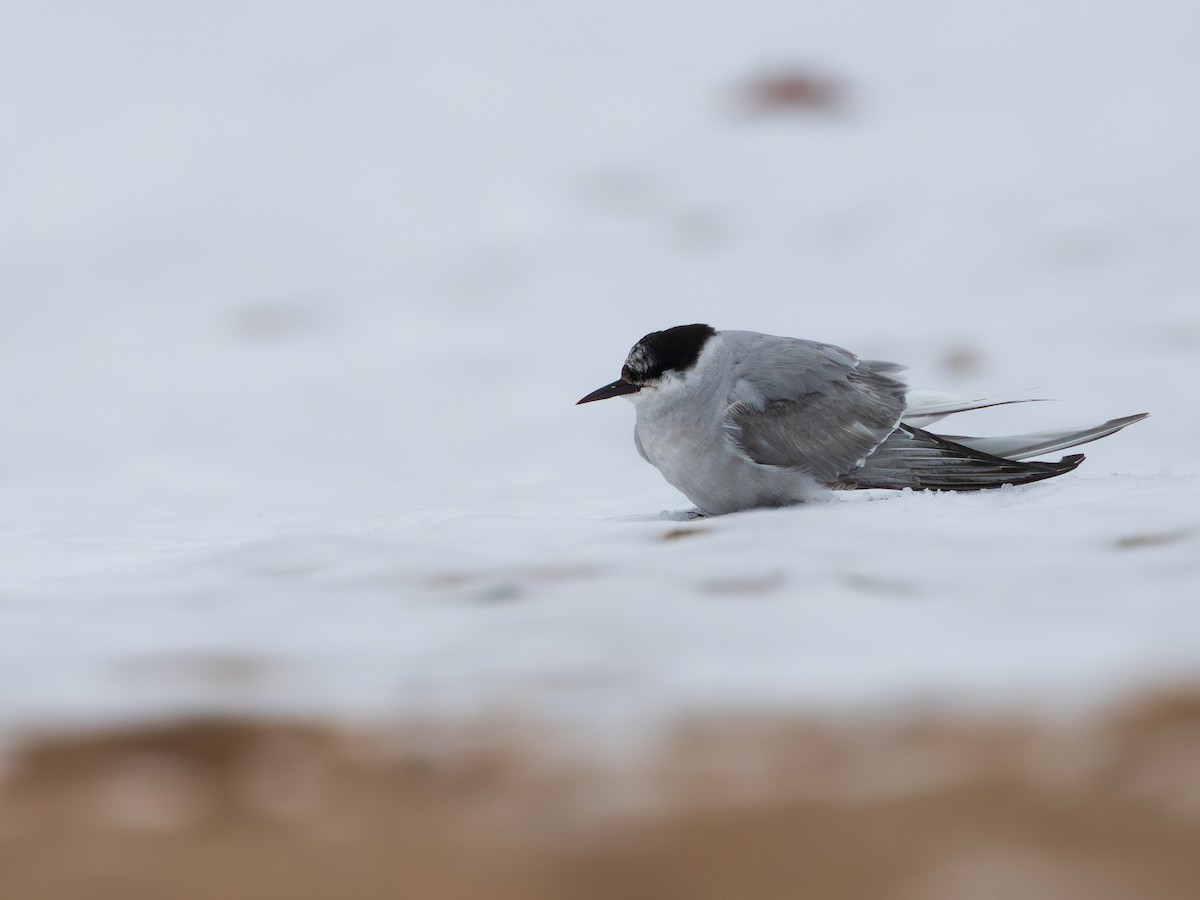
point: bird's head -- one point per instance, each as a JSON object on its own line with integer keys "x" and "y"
{"x": 657, "y": 358}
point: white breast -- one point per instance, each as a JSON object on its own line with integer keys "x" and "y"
{"x": 680, "y": 431}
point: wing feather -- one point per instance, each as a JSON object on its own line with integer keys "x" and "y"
{"x": 812, "y": 407}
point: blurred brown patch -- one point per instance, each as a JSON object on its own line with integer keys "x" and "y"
{"x": 676, "y": 534}
{"x": 506, "y": 584}
{"x": 788, "y": 91}
{"x": 1150, "y": 539}
{"x": 752, "y": 807}
{"x": 962, "y": 362}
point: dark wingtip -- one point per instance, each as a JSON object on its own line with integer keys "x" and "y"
{"x": 1067, "y": 463}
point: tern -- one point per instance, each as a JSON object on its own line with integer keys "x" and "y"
{"x": 738, "y": 419}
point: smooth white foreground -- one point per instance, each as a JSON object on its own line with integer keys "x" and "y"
{"x": 297, "y": 304}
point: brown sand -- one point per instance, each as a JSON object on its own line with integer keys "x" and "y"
{"x": 1106, "y": 808}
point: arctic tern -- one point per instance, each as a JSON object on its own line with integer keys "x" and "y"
{"x": 737, "y": 420}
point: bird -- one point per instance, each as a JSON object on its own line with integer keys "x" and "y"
{"x": 737, "y": 420}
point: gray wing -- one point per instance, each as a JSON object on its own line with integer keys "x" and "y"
{"x": 811, "y": 407}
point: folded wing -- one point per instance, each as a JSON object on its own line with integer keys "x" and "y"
{"x": 812, "y": 407}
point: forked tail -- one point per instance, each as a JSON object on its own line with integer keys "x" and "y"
{"x": 1023, "y": 446}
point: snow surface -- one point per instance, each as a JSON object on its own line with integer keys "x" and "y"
{"x": 297, "y": 300}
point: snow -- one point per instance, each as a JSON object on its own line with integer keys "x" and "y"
{"x": 298, "y": 301}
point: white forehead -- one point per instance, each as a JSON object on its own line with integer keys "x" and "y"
{"x": 639, "y": 358}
